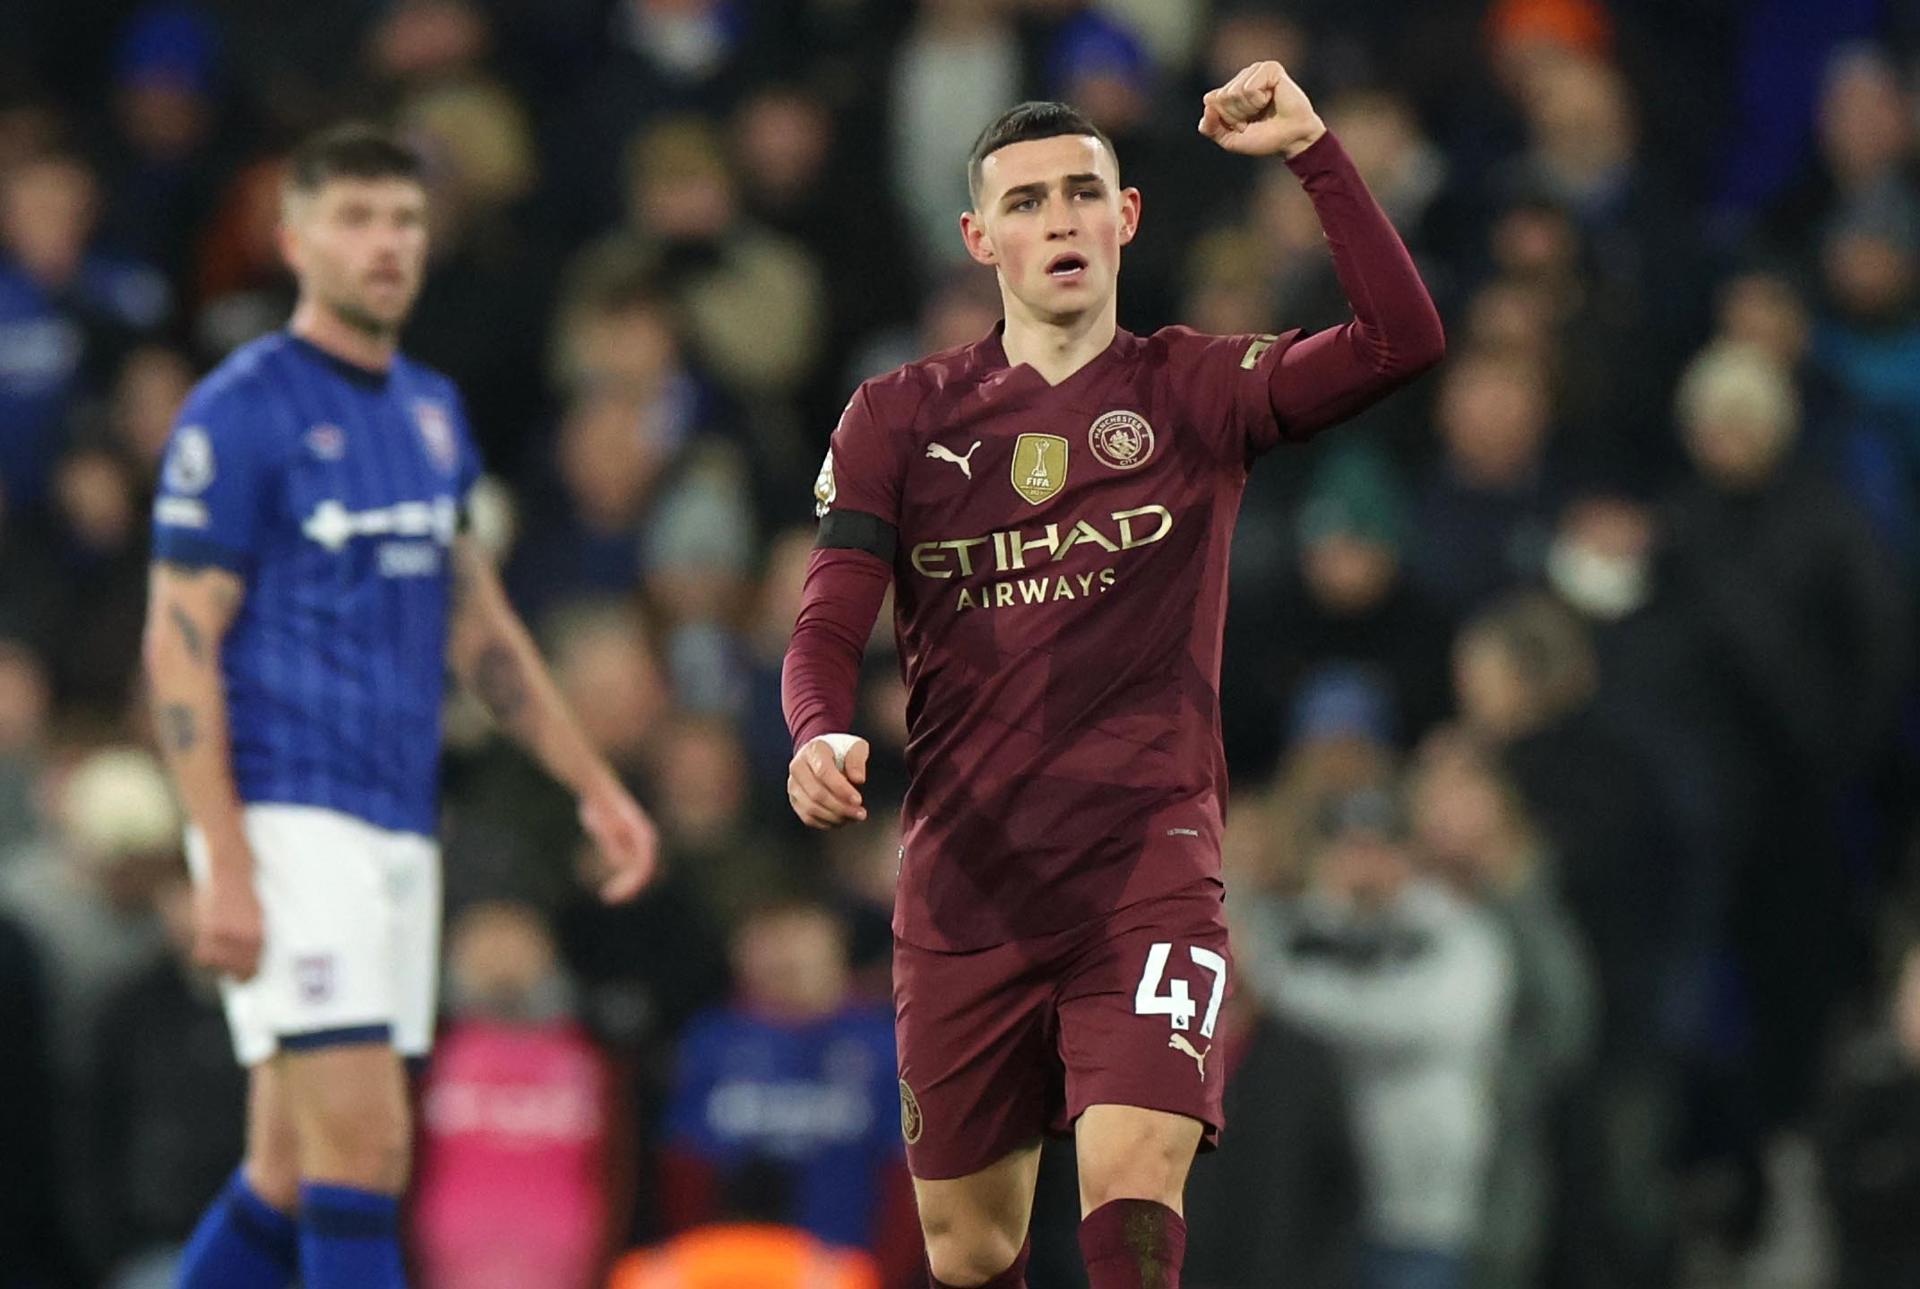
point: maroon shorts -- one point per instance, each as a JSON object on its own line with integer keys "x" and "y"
{"x": 1000, "y": 1045}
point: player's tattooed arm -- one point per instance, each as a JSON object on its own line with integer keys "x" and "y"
{"x": 493, "y": 655}
{"x": 190, "y": 608}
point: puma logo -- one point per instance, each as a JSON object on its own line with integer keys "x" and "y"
{"x": 1180, "y": 1044}
{"x": 941, "y": 452}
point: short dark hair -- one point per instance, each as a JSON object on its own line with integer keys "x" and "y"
{"x": 356, "y": 150}
{"x": 1031, "y": 120}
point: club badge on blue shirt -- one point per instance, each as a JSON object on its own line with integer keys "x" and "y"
{"x": 436, "y": 431}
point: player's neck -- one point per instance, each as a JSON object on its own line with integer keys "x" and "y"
{"x": 1057, "y": 349}
{"x": 325, "y": 330}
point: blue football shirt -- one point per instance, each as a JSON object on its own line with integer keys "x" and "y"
{"x": 822, "y": 1099}
{"x": 335, "y": 492}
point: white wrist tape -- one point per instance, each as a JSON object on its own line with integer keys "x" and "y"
{"x": 839, "y": 744}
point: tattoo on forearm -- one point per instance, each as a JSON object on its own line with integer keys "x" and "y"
{"x": 499, "y": 683}
{"x": 178, "y": 728}
{"x": 189, "y": 632}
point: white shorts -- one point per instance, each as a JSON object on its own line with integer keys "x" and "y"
{"x": 352, "y": 922}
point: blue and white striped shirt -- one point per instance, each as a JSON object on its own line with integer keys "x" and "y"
{"x": 335, "y": 492}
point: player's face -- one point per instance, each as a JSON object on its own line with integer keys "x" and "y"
{"x": 1052, "y": 218}
{"x": 359, "y": 248}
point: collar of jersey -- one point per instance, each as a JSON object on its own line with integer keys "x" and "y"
{"x": 367, "y": 376}
{"x": 993, "y": 350}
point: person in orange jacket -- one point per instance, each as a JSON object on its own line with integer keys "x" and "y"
{"x": 749, "y": 1249}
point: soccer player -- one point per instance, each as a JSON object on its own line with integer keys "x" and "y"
{"x": 311, "y": 584}
{"x": 1053, "y": 507}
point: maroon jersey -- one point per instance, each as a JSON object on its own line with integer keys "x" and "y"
{"x": 1059, "y": 562}
{"x": 1060, "y": 584}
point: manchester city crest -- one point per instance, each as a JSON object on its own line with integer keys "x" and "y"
{"x": 1122, "y": 440}
{"x": 911, "y": 1122}
{"x": 436, "y": 431}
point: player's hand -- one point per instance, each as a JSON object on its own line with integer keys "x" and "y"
{"x": 620, "y": 830}
{"x": 228, "y": 929}
{"x": 1261, "y": 113}
{"x": 823, "y": 782}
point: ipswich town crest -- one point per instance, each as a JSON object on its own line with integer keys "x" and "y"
{"x": 436, "y": 431}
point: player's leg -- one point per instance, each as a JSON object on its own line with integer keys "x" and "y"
{"x": 976, "y": 1226}
{"x": 350, "y": 1117}
{"x": 1133, "y": 1171}
{"x": 353, "y": 1118}
{"x": 249, "y": 1237}
{"x": 977, "y": 1061}
{"x": 1137, "y": 1018}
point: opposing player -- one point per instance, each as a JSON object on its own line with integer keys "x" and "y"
{"x": 311, "y": 584}
{"x": 1053, "y": 507}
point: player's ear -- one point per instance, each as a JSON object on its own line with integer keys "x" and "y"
{"x": 973, "y": 231}
{"x": 1129, "y": 214}
{"x": 288, "y": 239}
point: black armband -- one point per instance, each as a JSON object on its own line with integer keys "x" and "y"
{"x": 857, "y": 531}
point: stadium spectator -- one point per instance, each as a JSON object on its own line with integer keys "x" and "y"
{"x": 519, "y": 1153}
{"x": 957, "y": 67}
{"x": 704, "y": 807}
{"x": 751, "y": 300}
{"x": 1524, "y": 673}
{"x": 1412, "y": 987}
{"x": 1470, "y": 831}
{"x": 161, "y": 1090}
{"x": 163, "y": 158}
{"x": 489, "y": 257}
{"x": 1284, "y": 1207}
{"x": 67, "y": 311}
{"x": 798, "y": 1072}
{"x": 1352, "y": 603}
{"x": 1809, "y": 630}
{"x": 750, "y": 1242}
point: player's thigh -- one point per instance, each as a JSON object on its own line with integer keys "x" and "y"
{"x": 980, "y": 1074}
{"x": 1127, "y": 1152}
{"x": 1138, "y": 1011}
{"x": 349, "y": 1109}
{"x": 974, "y": 1225}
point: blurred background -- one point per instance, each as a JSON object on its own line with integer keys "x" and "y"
{"x": 1569, "y": 697}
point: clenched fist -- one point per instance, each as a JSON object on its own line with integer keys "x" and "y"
{"x": 824, "y": 778}
{"x": 1261, "y": 113}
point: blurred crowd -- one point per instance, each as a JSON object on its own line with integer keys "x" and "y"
{"x": 1569, "y": 695}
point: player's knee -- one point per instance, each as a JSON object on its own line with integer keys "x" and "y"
{"x": 1149, "y": 1166}
{"x": 968, "y": 1254}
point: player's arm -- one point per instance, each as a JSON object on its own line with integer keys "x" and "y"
{"x": 820, "y": 678}
{"x": 1396, "y": 333}
{"x": 858, "y": 501}
{"x": 189, "y": 609}
{"x": 493, "y": 655}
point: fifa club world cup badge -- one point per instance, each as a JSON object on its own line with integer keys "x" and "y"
{"x": 910, "y": 1121}
{"x": 1122, "y": 440}
{"x": 1039, "y": 466}
{"x": 436, "y": 431}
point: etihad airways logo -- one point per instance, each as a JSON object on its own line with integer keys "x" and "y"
{"x": 1016, "y": 549}
{"x": 1036, "y": 551}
